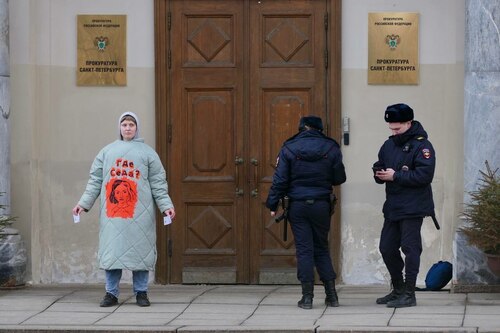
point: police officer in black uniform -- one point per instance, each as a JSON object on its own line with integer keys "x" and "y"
{"x": 308, "y": 165}
{"x": 406, "y": 163}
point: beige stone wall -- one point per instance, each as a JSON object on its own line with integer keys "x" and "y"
{"x": 58, "y": 128}
{"x": 438, "y": 102}
{"x": 439, "y": 107}
{"x": 56, "y": 133}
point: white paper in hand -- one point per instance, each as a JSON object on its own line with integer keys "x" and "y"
{"x": 167, "y": 220}
{"x": 76, "y": 218}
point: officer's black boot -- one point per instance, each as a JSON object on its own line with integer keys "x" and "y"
{"x": 398, "y": 288}
{"x": 406, "y": 299}
{"x": 331, "y": 294}
{"x": 306, "y": 302}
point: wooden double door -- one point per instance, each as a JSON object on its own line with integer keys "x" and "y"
{"x": 233, "y": 79}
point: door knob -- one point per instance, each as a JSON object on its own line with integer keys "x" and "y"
{"x": 254, "y": 193}
{"x": 239, "y": 192}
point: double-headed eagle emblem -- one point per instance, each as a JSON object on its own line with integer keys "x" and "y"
{"x": 392, "y": 41}
{"x": 101, "y": 43}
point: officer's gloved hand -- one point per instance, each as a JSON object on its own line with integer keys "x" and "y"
{"x": 378, "y": 166}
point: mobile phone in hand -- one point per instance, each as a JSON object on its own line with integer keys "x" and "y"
{"x": 375, "y": 169}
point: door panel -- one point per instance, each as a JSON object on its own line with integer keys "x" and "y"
{"x": 240, "y": 74}
{"x": 287, "y": 81}
{"x": 207, "y": 135}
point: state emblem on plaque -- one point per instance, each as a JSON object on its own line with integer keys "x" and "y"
{"x": 101, "y": 43}
{"x": 392, "y": 41}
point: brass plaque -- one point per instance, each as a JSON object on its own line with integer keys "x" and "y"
{"x": 393, "y": 48}
{"x": 102, "y": 50}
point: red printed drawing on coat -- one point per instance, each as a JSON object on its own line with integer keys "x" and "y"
{"x": 121, "y": 197}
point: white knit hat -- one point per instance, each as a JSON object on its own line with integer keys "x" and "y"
{"x": 133, "y": 115}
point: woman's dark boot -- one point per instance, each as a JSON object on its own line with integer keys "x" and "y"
{"x": 306, "y": 302}
{"x": 398, "y": 288}
{"x": 406, "y": 299}
{"x": 331, "y": 294}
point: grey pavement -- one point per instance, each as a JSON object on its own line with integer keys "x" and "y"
{"x": 241, "y": 308}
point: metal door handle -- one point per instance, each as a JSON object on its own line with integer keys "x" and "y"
{"x": 238, "y": 161}
{"x": 255, "y": 191}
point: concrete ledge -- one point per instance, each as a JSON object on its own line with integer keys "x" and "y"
{"x": 475, "y": 288}
{"x": 400, "y": 330}
{"x": 240, "y": 329}
{"x": 68, "y": 329}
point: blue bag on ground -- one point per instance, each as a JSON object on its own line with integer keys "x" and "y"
{"x": 439, "y": 275}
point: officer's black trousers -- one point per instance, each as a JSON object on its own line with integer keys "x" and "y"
{"x": 310, "y": 224}
{"x": 404, "y": 234}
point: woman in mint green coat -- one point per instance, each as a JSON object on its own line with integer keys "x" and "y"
{"x": 129, "y": 177}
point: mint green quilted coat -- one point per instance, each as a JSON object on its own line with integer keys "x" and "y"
{"x": 129, "y": 177}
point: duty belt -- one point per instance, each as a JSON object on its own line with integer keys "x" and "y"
{"x": 309, "y": 201}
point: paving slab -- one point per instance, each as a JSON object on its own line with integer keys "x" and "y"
{"x": 478, "y": 309}
{"x": 289, "y": 309}
{"x": 283, "y": 299}
{"x": 425, "y": 320}
{"x": 155, "y": 307}
{"x": 203, "y": 321}
{"x": 171, "y": 297}
{"x": 359, "y": 309}
{"x": 303, "y": 320}
{"x": 483, "y": 320}
{"x": 65, "y": 318}
{"x": 228, "y": 309}
{"x": 360, "y": 319}
{"x": 433, "y": 309}
{"x": 358, "y": 301}
{"x": 246, "y": 289}
{"x": 230, "y": 298}
{"x": 15, "y": 317}
{"x": 78, "y": 307}
{"x": 28, "y": 302}
{"x": 137, "y": 319}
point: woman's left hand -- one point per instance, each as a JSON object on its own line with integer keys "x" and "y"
{"x": 170, "y": 212}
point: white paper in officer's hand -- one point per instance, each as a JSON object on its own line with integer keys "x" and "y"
{"x": 167, "y": 220}
{"x": 76, "y": 218}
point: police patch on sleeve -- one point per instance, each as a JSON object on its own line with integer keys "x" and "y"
{"x": 427, "y": 153}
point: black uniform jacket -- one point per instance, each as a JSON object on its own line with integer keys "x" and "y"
{"x": 413, "y": 158}
{"x": 308, "y": 165}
